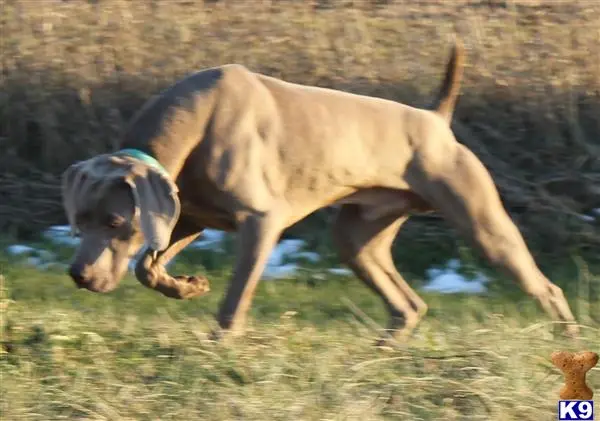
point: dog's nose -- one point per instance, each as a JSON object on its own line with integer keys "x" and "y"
{"x": 76, "y": 272}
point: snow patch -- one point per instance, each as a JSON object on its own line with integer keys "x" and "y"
{"x": 591, "y": 216}
{"x": 18, "y": 249}
{"x": 586, "y": 218}
{"x": 280, "y": 271}
{"x": 40, "y": 258}
{"x": 311, "y": 256}
{"x": 279, "y": 265}
{"x": 209, "y": 240}
{"x": 449, "y": 281}
{"x": 61, "y": 234}
{"x": 340, "y": 271}
{"x": 283, "y": 250}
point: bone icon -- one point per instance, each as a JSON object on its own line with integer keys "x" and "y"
{"x": 574, "y": 367}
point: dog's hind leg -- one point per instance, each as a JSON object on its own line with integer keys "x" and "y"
{"x": 365, "y": 245}
{"x": 150, "y": 268}
{"x": 460, "y": 187}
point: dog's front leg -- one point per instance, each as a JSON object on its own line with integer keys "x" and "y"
{"x": 257, "y": 236}
{"x": 150, "y": 269}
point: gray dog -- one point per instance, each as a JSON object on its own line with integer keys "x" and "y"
{"x": 230, "y": 149}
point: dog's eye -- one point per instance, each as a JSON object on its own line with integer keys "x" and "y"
{"x": 115, "y": 221}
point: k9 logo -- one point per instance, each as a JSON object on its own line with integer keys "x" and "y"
{"x": 575, "y": 410}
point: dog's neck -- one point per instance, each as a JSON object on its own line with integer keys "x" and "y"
{"x": 144, "y": 157}
{"x": 169, "y": 158}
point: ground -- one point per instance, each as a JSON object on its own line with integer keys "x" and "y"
{"x": 308, "y": 354}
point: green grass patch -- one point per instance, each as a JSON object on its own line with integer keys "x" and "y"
{"x": 308, "y": 355}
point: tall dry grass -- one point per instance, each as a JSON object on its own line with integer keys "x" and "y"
{"x": 75, "y": 71}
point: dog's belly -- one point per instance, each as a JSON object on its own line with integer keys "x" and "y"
{"x": 374, "y": 202}
{"x": 377, "y": 202}
{"x": 204, "y": 215}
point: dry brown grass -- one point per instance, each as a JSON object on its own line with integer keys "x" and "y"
{"x": 75, "y": 71}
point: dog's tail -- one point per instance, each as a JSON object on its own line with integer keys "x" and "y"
{"x": 446, "y": 99}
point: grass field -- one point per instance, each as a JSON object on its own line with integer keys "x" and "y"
{"x": 308, "y": 355}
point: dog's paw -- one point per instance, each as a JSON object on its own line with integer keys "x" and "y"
{"x": 216, "y": 335}
{"x": 384, "y": 344}
{"x": 571, "y": 331}
{"x": 192, "y": 286}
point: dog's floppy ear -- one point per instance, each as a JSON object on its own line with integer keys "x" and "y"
{"x": 155, "y": 195}
{"x": 157, "y": 202}
{"x": 71, "y": 181}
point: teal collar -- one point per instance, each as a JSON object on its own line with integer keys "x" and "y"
{"x": 144, "y": 157}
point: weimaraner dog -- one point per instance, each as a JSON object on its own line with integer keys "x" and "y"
{"x": 230, "y": 149}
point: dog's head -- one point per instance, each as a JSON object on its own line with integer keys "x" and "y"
{"x": 116, "y": 204}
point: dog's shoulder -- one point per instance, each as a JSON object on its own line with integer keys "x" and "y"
{"x": 211, "y": 78}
